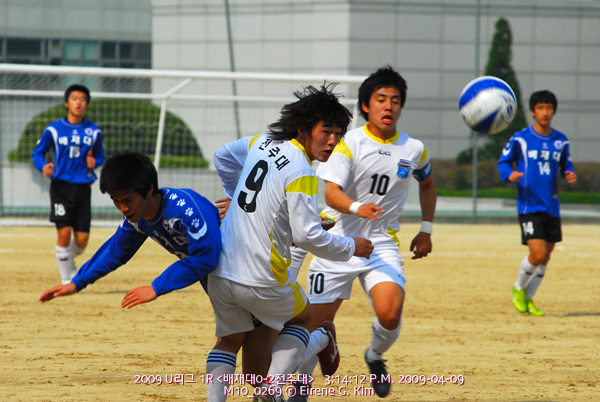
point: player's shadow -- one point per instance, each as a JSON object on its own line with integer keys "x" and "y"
{"x": 574, "y": 314}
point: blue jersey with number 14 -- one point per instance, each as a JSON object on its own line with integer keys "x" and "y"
{"x": 540, "y": 158}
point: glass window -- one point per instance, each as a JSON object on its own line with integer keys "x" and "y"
{"x": 142, "y": 51}
{"x": 109, "y": 50}
{"x": 23, "y": 47}
{"x": 125, "y": 51}
{"x": 71, "y": 50}
{"x": 89, "y": 50}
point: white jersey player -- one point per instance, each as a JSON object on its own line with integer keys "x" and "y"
{"x": 367, "y": 181}
{"x": 274, "y": 205}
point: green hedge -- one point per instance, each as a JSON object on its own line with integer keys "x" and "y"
{"x": 457, "y": 180}
{"x": 126, "y": 125}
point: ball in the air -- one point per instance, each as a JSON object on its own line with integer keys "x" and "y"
{"x": 487, "y": 105}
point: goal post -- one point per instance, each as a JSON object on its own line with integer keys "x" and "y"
{"x": 178, "y": 118}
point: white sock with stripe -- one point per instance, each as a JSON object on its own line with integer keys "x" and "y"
{"x": 64, "y": 260}
{"x": 525, "y": 271}
{"x": 219, "y": 365}
{"x": 535, "y": 281}
{"x": 288, "y": 349}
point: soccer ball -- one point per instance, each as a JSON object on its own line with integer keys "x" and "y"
{"x": 487, "y": 105}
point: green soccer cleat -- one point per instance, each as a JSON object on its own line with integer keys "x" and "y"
{"x": 532, "y": 309}
{"x": 519, "y": 300}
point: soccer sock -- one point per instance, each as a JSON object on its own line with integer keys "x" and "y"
{"x": 219, "y": 364}
{"x": 536, "y": 280}
{"x": 318, "y": 341}
{"x": 289, "y": 348}
{"x": 64, "y": 259}
{"x": 381, "y": 339}
{"x": 525, "y": 271}
{"x": 76, "y": 250}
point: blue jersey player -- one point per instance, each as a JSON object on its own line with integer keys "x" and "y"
{"x": 540, "y": 153}
{"x": 77, "y": 147}
{"x": 183, "y": 222}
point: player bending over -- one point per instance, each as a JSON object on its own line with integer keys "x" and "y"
{"x": 182, "y": 221}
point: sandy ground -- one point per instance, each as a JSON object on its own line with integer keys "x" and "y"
{"x": 459, "y": 324}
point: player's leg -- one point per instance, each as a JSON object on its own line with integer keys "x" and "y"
{"x": 531, "y": 236}
{"x": 540, "y": 251}
{"x": 232, "y": 323}
{"x": 292, "y": 340}
{"x": 256, "y": 356}
{"x": 82, "y": 223}
{"x": 63, "y": 253}
{"x": 387, "y": 299}
{"x": 384, "y": 284}
{"x": 220, "y": 364}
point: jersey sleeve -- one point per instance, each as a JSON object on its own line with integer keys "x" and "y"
{"x": 200, "y": 222}
{"x": 337, "y": 168}
{"x": 229, "y": 160}
{"x": 98, "y": 148}
{"x": 115, "y": 252}
{"x": 305, "y": 222}
{"x": 566, "y": 165}
{"x": 510, "y": 153}
{"x": 39, "y": 152}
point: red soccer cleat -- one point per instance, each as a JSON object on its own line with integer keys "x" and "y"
{"x": 329, "y": 358}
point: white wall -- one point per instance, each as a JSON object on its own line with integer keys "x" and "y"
{"x": 432, "y": 43}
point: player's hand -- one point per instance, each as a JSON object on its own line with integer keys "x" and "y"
{"x": 363, "y": 247}
{"x": 370, "y": 211}
{"x": 571, "y": 177}
{"x": 48, "y": 169}
{"x": 515, "y": 176}
{"x": 91, "y": 162}
{"x": 421, "y": 245}
{"x": 137, "y": 296}
{"x": 223, "y": 206}
{"x": 58, "y": 291}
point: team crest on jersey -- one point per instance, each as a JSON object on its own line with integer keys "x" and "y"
{"x": 89, "y": 131}
{"x": 403, "y": 168}
{"x": 167, "y": 226}
{"x": 558, "y": 144}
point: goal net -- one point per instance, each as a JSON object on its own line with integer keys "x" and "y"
{"x": 178, "y": 118}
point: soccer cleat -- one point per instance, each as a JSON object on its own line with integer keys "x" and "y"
{"x": 519, "y": 300}
{"x": 532, "y": 309}
{"x": 329, "y": 358}
{"x": 267, "y": 398}
{"x": 381, "y": 381}
{"x": 301, "y": 392}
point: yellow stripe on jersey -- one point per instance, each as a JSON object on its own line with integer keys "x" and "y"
{"x": 295, "y": 143}
{"x": 424, "y": 155}
{"x": 299, "y": 303}
{"x": 392, "y": 232}
{"x": 308, "y": 185}
{"x": 279, "y": 265}
{"x": 343, "y": 149}
{"x": 254, "y": 139}
{"x": 381, "y": 140}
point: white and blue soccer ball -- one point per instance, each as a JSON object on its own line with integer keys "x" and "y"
{"x": 487, "y": 105}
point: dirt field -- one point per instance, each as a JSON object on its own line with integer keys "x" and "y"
{"x": 458, "y": 323}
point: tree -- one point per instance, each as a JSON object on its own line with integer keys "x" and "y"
{"x": 126, "y": 125}
{"x": 499, "y": 65}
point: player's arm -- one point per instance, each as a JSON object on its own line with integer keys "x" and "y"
{"x": 204, "y": 248}
{"x": 337, "y": 199}
{"x": 96, "y": 156}
{"x": 115, "y": 252}
{"x": 566, "y": 165}
{"x": 421, "y": 245}
{"x": 39, "y": 154}
{"x": 509, "y": 155}
{"x": 306, "y": 226}
{"x": 229, "y": 161}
